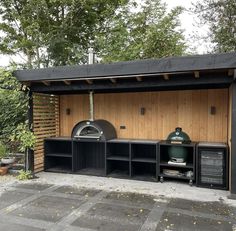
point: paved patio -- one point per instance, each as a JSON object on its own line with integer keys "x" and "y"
{"x": 69, "y": 202}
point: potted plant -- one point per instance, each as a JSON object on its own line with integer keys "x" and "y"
{"x": 26, "y": 140}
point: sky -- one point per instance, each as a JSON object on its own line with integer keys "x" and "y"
{"x": 188, "y": 21}
{"x": 189, "y": 24}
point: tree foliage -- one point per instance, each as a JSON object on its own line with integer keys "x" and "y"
{"x": 13, "y": 105}
{"x": 220, "y": 15}
{"x": 150, "y": 32}
{"x": 59, "y": 32}
{"x": 52, "y": 32}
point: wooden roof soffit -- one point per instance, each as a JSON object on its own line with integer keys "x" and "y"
{"x": 139, "y": 78}
{"x": 47, "y": 83}
{"x": 113, "y": 80}
{"x": 67, "y": 82}
{"x": 197, "y": 74}
{"x": 89, "y": 81}
{"x": 166, "y": 77}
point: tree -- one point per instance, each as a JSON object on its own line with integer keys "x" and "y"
{"x": 220, "y": 15}
{"x": 52, "y": 32}
{"x": 150, "y": 32}
{"x": 13, "y": 105}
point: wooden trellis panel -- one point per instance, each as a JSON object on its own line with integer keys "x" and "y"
{"x": 45, "y": 124}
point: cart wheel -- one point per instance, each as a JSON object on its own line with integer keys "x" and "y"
{"x": 161, "y": 179}
{"x": 191, "y": 182}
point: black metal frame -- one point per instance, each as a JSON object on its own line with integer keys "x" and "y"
{"x": 233, "y": 140}
{"x": 29, "y": 157}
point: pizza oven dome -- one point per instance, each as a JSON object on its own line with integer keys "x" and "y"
{"x": 98, "y": 130}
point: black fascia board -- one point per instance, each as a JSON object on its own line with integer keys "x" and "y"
{"x": 138, "y": 67}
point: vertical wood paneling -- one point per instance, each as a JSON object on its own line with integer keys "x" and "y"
{"x": 163, "y": 112}
{"x": 45, "y": 124}
{"x": 79, "y": 110}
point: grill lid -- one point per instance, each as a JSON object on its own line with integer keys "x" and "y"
{"x": 178, "y": 136}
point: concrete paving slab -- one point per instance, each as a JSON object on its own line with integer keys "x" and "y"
{"x": 216, "y": 208}
{"x": 34, "y": 186}
{"x": 48, "y": 208}
{"x": 135, "y": 199}
{"x": 118, "y": 213}
{"x": 17, "y": 227}
{"x": 59, "y": 202}
{"x": 179, "y": 222}
{"x": 10, "y": 197}
{"x": 77, "y": 191}
{"x": 95, "y": 223}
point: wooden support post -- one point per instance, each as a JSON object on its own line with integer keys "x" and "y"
{"x": 166, "y": 77}
{"x": 29, "y": 154}
{"x": 46, "y": 83}
{"x": 89, "y": 81}
{"x": 113, "y": 80}
{"x": 67, "y": 82}
{"x": 196, "y": 74}
{"x": 139, "y": 78}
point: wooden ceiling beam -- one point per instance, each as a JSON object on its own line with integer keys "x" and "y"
{"x": 89, "y": 81}
{"x": 166, "y": 77}
{"x": 139, "y": 78}
{"x": 67, "y": 82}
{"x": 113, "y": 80}
{"x": 47, "y": 83}
{"x": 197, "y": 74}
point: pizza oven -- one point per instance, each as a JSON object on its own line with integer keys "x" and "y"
{"x": 101, "y": 130}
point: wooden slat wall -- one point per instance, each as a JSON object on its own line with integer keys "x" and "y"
{"x": 165, "y": 110}
{"x": 45, "y": 124}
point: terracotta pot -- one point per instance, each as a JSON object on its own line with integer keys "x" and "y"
{"x": 3, "y": 171}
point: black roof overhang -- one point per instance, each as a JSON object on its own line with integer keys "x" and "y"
{"x": 190, "y": 72}
{"x": 180, "y": 82}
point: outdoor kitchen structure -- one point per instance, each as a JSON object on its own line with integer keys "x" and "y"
{"x": 157, "y": 119}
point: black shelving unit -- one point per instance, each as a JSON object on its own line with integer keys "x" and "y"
{"x": 144, "y": 159}
{"x": 89, "y": 157}
{"x": 183, "y": 169}
{"x": 212, "y": 165}
{"x": 58, "y": 155}
{"x": 118, "y": 158}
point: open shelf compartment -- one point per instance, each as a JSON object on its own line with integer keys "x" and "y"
{"x": 164, "y": 156}
{"x": 143, "y": 171}
{"x": 145, "y": 153}
{"x": 118, "y": 169}
{"x": 119, "y": 151}
{"x": 58, "y": 164}
{"x": 59, "y": 148}
{"x": 89, "y": 157}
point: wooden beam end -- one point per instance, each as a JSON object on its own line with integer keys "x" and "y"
{"x": 166, "y": 77}
{"x": 196, "y": 74}
{"x": 89, "y": 81}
